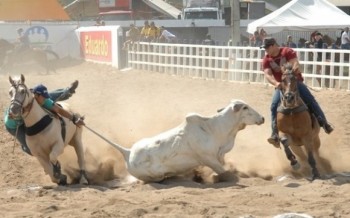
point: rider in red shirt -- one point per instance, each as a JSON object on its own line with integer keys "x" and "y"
{"x": 272, "y": 64}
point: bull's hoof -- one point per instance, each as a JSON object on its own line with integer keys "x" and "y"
{"x": 198, "y": 178}
{"x": 83, "y": 181}
{"x": 225, "y": 177}
{"x": 83, "y": 178}
{"x": 63, "y": 180}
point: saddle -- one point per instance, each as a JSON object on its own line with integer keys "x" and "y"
{"x": 44, "y": 122}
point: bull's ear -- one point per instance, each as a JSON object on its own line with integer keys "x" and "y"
{"x": 22, "y": 78}
{"x": 221, "y": 109}
{"x": 237, "y": 107}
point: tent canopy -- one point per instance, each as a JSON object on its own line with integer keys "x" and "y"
{"x": 22, "y": 10}
{"x": 302, "y": 15}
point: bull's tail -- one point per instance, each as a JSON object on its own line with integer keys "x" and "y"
{"x": 125, "y": 152}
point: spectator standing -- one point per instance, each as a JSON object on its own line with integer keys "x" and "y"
{"x": 319, "y": 45}
{"x": 166, "y": 36}
{"x": 144, "y": 31}
{"x": 255, "y": 40}
{"x": 99, "y": 21}
{"x": 153, "y": 32}
{"x": 290, "y": 42}
{"x": 262, "y": 34}
{"x": 312, "y": 37}
{"x": 345, "y": 39}
{"x": 132, "y": 35}
{"x": 208, "y": 40}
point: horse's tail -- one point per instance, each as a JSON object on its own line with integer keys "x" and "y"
{"x": 125, "y": 152}
{"x": 52, "y": 53}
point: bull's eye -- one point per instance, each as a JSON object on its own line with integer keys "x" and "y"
{"x": 245, "y": 108}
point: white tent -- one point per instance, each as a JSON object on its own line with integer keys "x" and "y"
{"x": 302, "y": 15}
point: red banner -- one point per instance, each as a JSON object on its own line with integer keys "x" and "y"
{"x": 96, "y": 45}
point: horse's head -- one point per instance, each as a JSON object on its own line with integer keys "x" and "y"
{"x": 20, "y": 96}
{"x": 289, "y": 87}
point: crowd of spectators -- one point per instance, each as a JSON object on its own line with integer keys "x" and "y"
{"x": 316, "y": 38}
{"x": 148, "y": 33}
{"x": 152, "y": 33}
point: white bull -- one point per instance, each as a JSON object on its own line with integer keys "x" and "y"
{"x": 199, "y": 141}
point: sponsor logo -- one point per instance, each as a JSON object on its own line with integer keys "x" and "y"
{"x": 96, "y": 45}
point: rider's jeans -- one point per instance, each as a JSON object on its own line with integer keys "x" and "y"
{"x": 306, "y": 96}
{"x": 59, "y": 94}
{"x": 19, "y": 133}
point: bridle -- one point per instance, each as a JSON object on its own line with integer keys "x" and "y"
{"x": 289, "y": 94}
{"x": 20, "y": 101}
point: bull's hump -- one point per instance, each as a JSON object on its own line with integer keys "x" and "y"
{"x": 193, "y": 118}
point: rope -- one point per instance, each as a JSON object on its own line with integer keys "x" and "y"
{"x": 14, "y": 140}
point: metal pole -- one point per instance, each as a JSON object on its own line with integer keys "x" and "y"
{"x": 235, "y": 23}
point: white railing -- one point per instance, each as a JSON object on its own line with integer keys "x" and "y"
{"x": 241, "y": 64}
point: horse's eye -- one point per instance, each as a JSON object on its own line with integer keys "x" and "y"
{"x": 245, "y": 108}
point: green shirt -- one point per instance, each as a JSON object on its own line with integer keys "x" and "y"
{"x": 48, "y": 104}
{"x": 12, "y": 123}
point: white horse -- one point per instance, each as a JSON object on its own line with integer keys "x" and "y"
{"x": 46, "y": 135}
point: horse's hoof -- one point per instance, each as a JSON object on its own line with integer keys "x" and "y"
{"x": 316, "y": 177}
{"x": 56, "y": 170}
{"x": 296, "y": 165}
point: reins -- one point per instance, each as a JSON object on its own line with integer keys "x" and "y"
{"x": 298, "y": 104}
{"x": 28, "y": 107}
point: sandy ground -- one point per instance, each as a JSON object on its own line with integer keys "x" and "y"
{"x": 126, "y": 106}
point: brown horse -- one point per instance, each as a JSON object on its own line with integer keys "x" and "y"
{"x": 10, "y": 56}
{"x": 297, "y": 127}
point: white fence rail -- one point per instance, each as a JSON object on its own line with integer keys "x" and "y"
{"x": 241, "y": 64}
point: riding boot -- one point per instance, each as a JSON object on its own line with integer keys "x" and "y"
{"x": 274, "y": 138}
{"x": 325, "y": 125}
{"x": 328, "y": 128}
{"x": 73, "y": 87}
